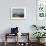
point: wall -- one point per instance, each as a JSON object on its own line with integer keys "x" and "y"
{"x": 25, "y": 24}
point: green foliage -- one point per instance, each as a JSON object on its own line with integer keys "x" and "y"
{"x": 41, "y": 14}
{"x": 39, "y": 35}
{"x": 42, "y": 27}
{"x": 37, "y": 28}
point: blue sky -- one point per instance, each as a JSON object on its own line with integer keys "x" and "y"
{"x": 18, "y": 11}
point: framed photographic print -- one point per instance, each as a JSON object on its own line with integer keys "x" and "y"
{"x": 41, "y": 12}
{"x": 18, "y": 13}
{"x": 41, "y": 9}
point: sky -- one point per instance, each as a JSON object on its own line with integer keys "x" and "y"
{"x": 18, "y": 11}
